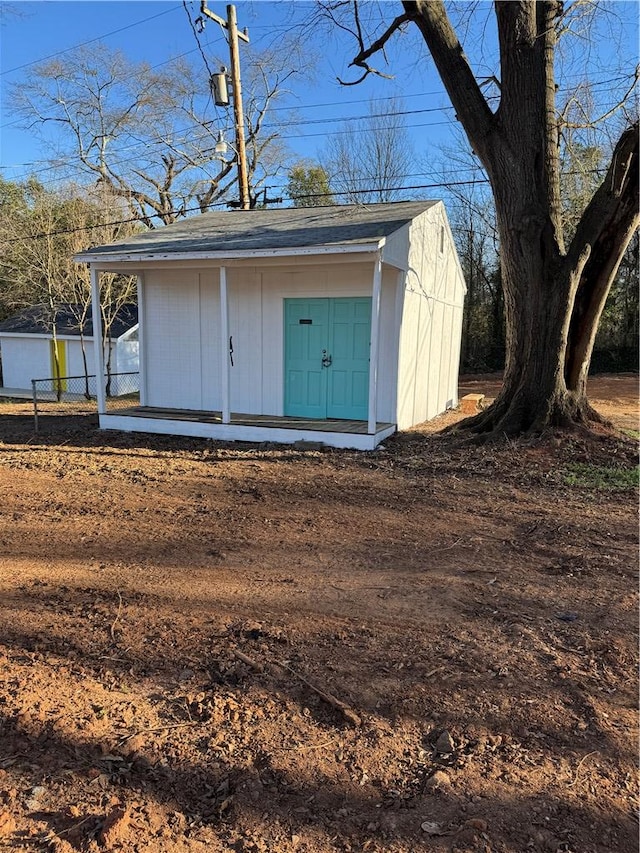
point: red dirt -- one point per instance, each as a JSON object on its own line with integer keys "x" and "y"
{"x": 471, "y": 613}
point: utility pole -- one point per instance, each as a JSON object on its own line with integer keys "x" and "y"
{"x": 231, "y": 24}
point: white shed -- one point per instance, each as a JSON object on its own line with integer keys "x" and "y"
{"x": 29, "y": 350}
{"x": 331, "y": 324}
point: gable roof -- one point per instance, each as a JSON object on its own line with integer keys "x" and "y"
{"x": 284, "y": 230}
{"x": 37, "y": 320}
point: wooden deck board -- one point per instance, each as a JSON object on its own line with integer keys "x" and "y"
{"x": 355, "y": 427}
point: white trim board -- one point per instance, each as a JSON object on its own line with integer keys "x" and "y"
{"x": 239, "y": 432}
{"x": 224, "y": 257}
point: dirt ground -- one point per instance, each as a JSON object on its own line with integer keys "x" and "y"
{"x": 207, "y": 647}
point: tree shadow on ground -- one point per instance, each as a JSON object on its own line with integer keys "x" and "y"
{"x": 81, "y": 432}
{"x": 494, "y": 664}
{"x": 505, "y": 621}
{"x": 224, "y": 801}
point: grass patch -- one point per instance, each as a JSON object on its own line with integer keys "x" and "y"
{"x": 602, "y": 477}
{"x": 632, "y": 433}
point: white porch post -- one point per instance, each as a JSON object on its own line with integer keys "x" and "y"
{"x": 97, "y": 341}
{"x": 142, "y": 351}
{"x": 224, "y": 338}
{"x": 374, "y": 346}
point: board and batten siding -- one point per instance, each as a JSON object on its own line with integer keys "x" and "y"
{"x": 246, "y": 374}
{"x": 183, "y": 349}
{"x": 431, "y": 322}
{"x": 182, "y": 339}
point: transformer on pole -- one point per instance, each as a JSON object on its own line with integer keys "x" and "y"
{"x": 219, "y": 88}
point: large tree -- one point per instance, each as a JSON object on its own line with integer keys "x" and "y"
{"x": 148, "y": 134}
{"x": 554, "y": 292}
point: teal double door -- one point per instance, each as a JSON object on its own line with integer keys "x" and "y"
{"x": 326, "y": 357}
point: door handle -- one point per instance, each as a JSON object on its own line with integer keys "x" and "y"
{"x": 326, "y": 359}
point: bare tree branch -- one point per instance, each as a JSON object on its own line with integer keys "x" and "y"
{"x": 110, "y": 107}
{"x": 366, "y": 52}
{"x": 592, "y": 122}
{"x": 471, "y": 107}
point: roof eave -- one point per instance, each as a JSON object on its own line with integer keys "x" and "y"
{"x": 303, "y": 251}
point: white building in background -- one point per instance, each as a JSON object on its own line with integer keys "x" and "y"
{"x": 30, "y": 350}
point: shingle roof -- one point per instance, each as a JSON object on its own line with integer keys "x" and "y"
{"x": 37, "y": 320}
{"x": 284, "y": 228}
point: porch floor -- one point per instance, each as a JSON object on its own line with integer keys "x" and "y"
{"x": 268, "y": 421}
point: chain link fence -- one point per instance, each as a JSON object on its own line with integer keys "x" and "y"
{"x": 78, "y": 393}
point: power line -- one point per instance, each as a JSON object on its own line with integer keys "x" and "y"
{"x": 196, "y": 36}
{"x": 298, "y": 136}
{"x": 412, "y": 187}
{"x": 90, "y": 41}
{"x": 267, "y": 127}
{"x": 298, "y": 197}
{"x": 273, "y": 125}
{"x": 297, "y": 107}
{"x": 151, "y": 68}
{"x": 619, "y": 79}
{"x": 331, "y": 194}
{"x": 131, "y": 219}
{"x": 271, "y": 29}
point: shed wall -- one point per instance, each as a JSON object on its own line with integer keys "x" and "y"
{"x": 126, "y": 361}
{"x": 182, "y": 339}
{"x": 183, "y": 346}
{"x": 24, "y": 359}
{"x": 431, "y": 322}
{"x": 246, "y": 382}
{"x": 396, "y": 248}
{"x": 334, "y": 280}
{"x": 75, "y": 364}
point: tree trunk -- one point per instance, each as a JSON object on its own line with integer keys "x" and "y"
{"x": 469, "y": 301}
{"x": 87, "y": 392}
{"x": 554, "y": 300}
{"x": 107, "y": 341}
{"x": 553, "y": 297}
{"x": 56, "y": 365}
{"x": 606, "y": 253}
{"x": 522, "y": 164}
{"x": 538, "y": 297}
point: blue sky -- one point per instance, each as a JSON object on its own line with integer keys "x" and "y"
{"x": 155, "y": 31}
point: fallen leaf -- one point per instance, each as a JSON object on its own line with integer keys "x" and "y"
{"x": 432, "y": 828}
